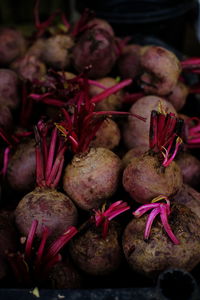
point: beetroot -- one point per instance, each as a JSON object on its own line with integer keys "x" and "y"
{"x": 113, "y": 101}
{"x": 179, "y": 95}
{"x": 92, "y": 177}
{"x": 99, "y": 256}
{"x": 29, "y": 67}
{"x": 190, "y": 167}
{"x": 45, "y": 204}
{"x": 159, "y": 252}
{"x": 137, "y": 133}
{"x": 108, "y": 135}
{"x": 56, "y": 51}
{"x": 189, "y": 197}
{"x": 132, "y": 154}
{"x": 6, "y": 119}
{"x": 12, "y": 45}
{"x": 22, "y": 166}
{"x": 102, "y": 24}
{"x": 160, "y": 70}
{"x": 9, "y": 88}
{"x": 155, "y": 173}
{"x": 37, "y": 48}
{"x": 95, "y": 47}
{"x": 129, "y": 61}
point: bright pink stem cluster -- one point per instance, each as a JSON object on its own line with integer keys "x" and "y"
{"x": 164, "y": 135}
{"x": 103, "y": 217}
{"x": 157, "y": 208}
{"x": 49, "y": 156}
{"x": 192, "y": 132}
{"x": 191, "y": 65}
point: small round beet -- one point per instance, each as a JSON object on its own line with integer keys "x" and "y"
{"x": 96, "y": 47}
{"x": 129, "y": 61}
{"x": 6, "y": 119}
{"x": 49, "y": 207}
{"x": 136, "y": 132}
{"x": 9, "y": 83}
{"x": 92, "y": 177}
{"x": 12, "y": 45}
{"x": 190, "y": 167}
{"x": 56, "y": 51}
{"x": 178, "y": 95}
{"x": 112, "y": 102}
{"x": 29, "y": 67}
{"x": 144, "y": 178}
{"x": 21, "y": 167}
{"x": 94, "y": 254}
{"x": 159, "y": 253}
{"x": 161, "y": 70}
{"x": 189, "y": 197}
{"x": 108, "y": 135}
{"x": 64, "y": 276}
{"x": 103, "y": 24}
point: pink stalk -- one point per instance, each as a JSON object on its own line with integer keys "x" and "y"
{"x": 56, "y": 259}
{"x": 168, "y": 159}
{"x": 45, "y": 235}
{"x": 65, "y": 21}
{"x": 144, "y": 208}
{"x": 105, "y": 228}
{"x": 81, "y": 25}
{"x": 5, "y": 137}
{"x": 58, "y": 175}
{"x": 39, "y": 162}
{"x": 56, "y": 246}
{"x": 96, "y": 83}
{"x": 153, "y": 132}
{"x": 5, "y": 161}
{"x": 51, "y": 152}
{"x": 111, "y": 90}
{"x": 191, "y": 63}
{"x": 149, "y": 222}
{"x": 166, "y": 225}
{"x": 30, "y": 239}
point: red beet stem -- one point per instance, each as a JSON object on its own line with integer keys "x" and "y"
{"x": 30, "y": 239}
{"x": 111, "y": 90}
{"x": 149, "y": 222}
{"x": 164, "y": 220}
{"x": 96, "y": 83}
{"x": 81, "y": 25}
{"x": 39, "y": 159}
{"x": 56, "y": 259}
{"x": 5, "y": 161}
{"x": 132, "y": 98}
{"x": 51, "y": 152}
{"x": 6, "y": 138}
{"x": 191, "y": 63}
{"x": 153, "y": 132}
{"x": 168, "y": 159}
{"x": 40, "y": 252}
{"x": 56, "y": 246}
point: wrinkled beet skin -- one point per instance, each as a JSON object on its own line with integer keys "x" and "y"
{"x": 8, "y": 237}
{"x": 161, "y": 68}
{"x": 108, "y": 135}
{"x": 56, "y": 51}
{"x": 9, "y": 83}
{"x": 189, "y": 197}
{"x": 95, "y": 255}
{"x": 159, "y": 253}
{"x": 190, "y": 167}
{"x": 92, "y": 177}
{"x": 178, "y": 96}
{"x": 112, "y": 102}
{"x": 131, "y": 154}
{"x": 29, "y": 67}
{"x": 129, "y": 61}
{"x": 12, "y": 45}
{"x": 64, "y": 276}
{"x": 49, "y": 207}
{"x": 144, "y": 178}
{"x": 95, "y": 47}
{"x": 136, "y": 132}
{"x": 22, "y": 167}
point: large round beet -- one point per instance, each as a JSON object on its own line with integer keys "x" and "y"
{"x": 12, "y": 45}
{"x": 64, "y": 276}
{"x": 179, "y": 95}
{"x": 49, "y": 207}
{"x": 189, "y": 197}
{"x": 159, "y": 253}
{"x": 112, "y": 102}
{"x": 9, "y": 83}
{"x": 131, "y": 154}
{"x": 22, "y": 167}
{"x": 92, "y": 177}
{"x": 56, "y": 51}
{"x": 108, "y": 135}
{"x": 136, "y": 132}
{"x": 94, "y": 254}
{"x": 144, "y": 178}
{"x": 129, "y": 61}
{"x": 190, "y": 167}
{"x": 95, "y": 47}
{"x": 161, "y": 69}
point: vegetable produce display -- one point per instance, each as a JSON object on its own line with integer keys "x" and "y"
{"x": 99, "y": 161}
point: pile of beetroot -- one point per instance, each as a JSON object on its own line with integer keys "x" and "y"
{"x": 100, "y": 177}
